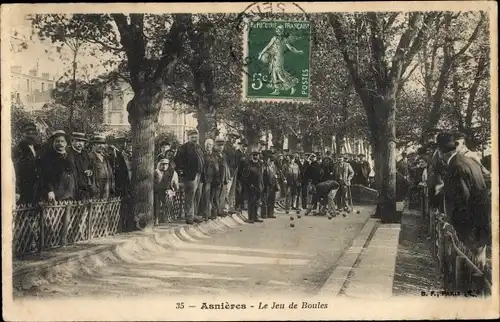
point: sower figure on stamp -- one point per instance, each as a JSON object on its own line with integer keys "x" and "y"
{"x": 271, "y": 186}
{"x": 274, "y": 55}
{"x": 252, "y": 181}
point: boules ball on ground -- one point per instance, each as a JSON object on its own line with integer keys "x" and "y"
{"x": 357, "y": 211}
{"x": 299, "y": 216}
{"x": 292, "y": 217}
{"x": 292, "y": 225}
{"x": 330, "y": 217}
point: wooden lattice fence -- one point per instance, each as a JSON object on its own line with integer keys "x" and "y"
{"x": 459, "y": 268}
{"x": 43, "y": 226}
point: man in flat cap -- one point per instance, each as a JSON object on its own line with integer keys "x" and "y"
{"x": 103, "y": 180}
{"x": 243, "y": 159}
{"x": 252, "y": 179}
{"x": 232, "y": 160}
{"x": 58, "y": 171}
{"x": 82, "y": 162}
{"x": 189, "y": 164}
{"x": 27, "y": 166}
{"x": 467, "y": 201}
{"x": 270, "y": 179}
{"x": 462, "y": 148}
{"x": 365, "y": 170}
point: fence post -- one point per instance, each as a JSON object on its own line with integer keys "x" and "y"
{"x": 65, "y": 227}
{"x": 90, "y": 219}
{"x": 479, "y": 285}
{"x": 42, "y": 230}
{"x": 459, "y": 273}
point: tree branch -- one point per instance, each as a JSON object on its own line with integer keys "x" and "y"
{"x": 472, "y": 37}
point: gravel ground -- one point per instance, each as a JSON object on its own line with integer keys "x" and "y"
{"x": 269, "y": 257}
{"x": 416, "y": 269}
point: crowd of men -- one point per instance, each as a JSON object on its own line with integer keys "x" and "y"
{"x": 69, "y": 167}
{"x": 221, "y": 177}
{"x": 224, "y": 176}
{"x": 458, "y": 183}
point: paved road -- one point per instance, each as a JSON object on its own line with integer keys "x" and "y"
{"x": 253, "y": 258}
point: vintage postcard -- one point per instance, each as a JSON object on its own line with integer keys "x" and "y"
{"x": 250, "y": 161}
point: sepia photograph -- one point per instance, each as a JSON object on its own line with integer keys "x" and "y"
{"x": 250, "y": 161}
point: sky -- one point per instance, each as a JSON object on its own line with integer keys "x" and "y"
{"x": 45, "y": 54}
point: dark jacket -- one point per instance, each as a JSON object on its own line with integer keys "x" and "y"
{"x": 189, "y": 161}
{"x": 323, "y": 188}
{"x": 314, "y": 172}
{"x": 94, "y": 162}
{"x": 27, "y": 171}
{"x": 212, "y": 172}
{"x": 270, "y": 176}
{"x": 364, "y": 169}
{"x": 467, "y": 199}
{"x": 59, "y": 175}
{"x": 82, "y": 164}
{"x": 252, "y": 177}
{"x": 328, "y": 171}
{"x": 120, "y": 172}
{"x": 231, "y": 158}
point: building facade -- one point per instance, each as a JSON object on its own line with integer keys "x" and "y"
{"x": 31, "y": 89}
{"x": 169, "y": 120}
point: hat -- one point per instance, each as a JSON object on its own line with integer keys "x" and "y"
{"x": 254, "y": 151}
{"x": 446, "y": 142}
{"x": 57, "y": 134}
{"x": 29, "y": 127}
{"x": 234, "y": 135}
{"x": 459, "y": 135}
{"x": 78, "y": 136}
{"x": 220, "y": 139}
{"x": 170, "y": 151}
{"x": 98, "y": 139}
{"x": 192, "y": 132}
{"x": 164, "y": 161}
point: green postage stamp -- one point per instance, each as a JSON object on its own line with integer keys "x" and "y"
{"x": 277, "y": 57}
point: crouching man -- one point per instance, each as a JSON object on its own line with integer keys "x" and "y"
{"x": 325, "y": 192}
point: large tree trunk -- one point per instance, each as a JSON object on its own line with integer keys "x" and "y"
{"x": 277, "y": 138}
{"x": 307, "y": 143}
{"x": 143, "y": 127}
{"x": 251, "y": 131}
{"x": 386, "y": 156}
{"x": 293, "y": 143}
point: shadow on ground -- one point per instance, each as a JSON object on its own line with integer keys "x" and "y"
{"x": 416, "y": 269}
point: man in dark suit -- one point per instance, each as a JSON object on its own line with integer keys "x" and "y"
{"x": 364, "y": 170}
{"x": 252, "y": 179}
{"x": 58, "y": 170}
{"x": 189, "y": 165}
{"x": 467, "y": 202}
{"x": 303, "y": 165}
{"x": 232, "y": 161}
{"x": 241, "y": 193}
{"x": 270, "y": 178}
{"x": 402, "y": 165}
{"x": 26, "y": 164}
{"x": 82, "y": 162}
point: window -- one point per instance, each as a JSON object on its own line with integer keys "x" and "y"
{"x": 28, "y": 84}
{"x": 117, "y": 101}
{"x": 43, "y": 87}
{"x": 17, "y": 96}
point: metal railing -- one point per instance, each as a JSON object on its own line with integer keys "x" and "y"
{"x": 460, "y": 269}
